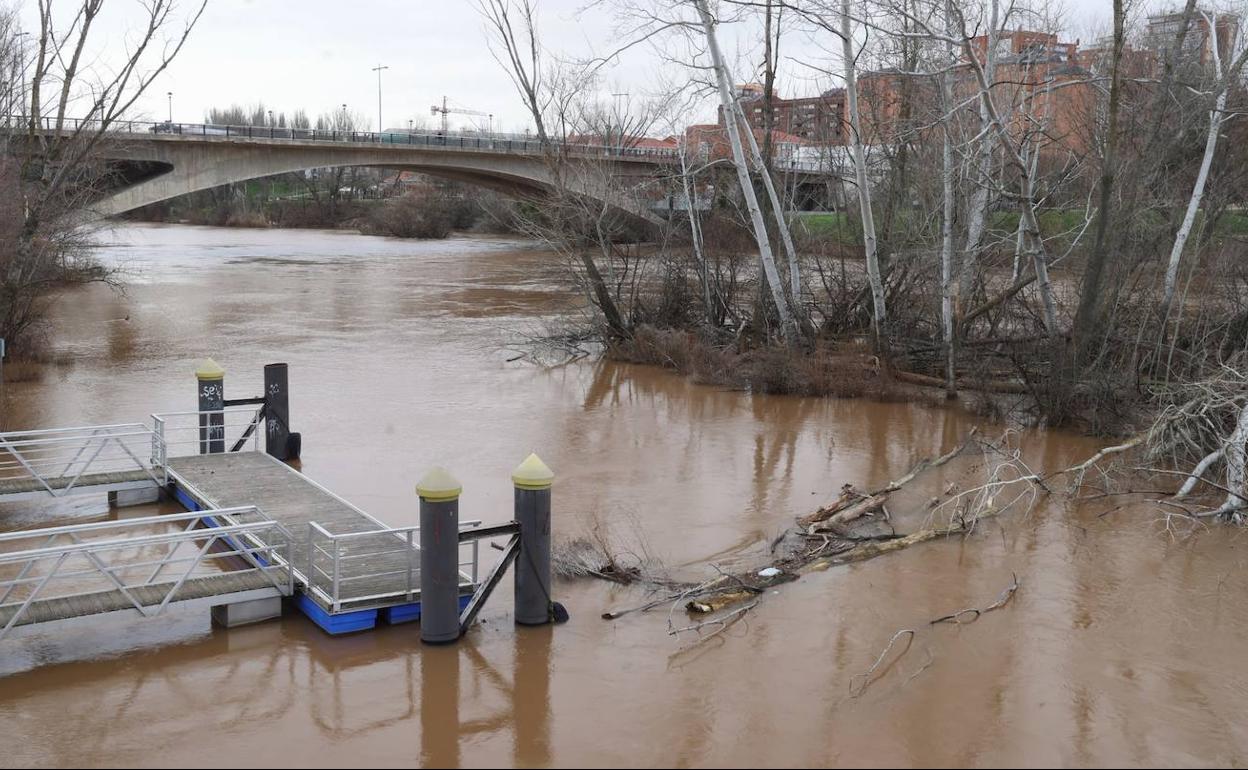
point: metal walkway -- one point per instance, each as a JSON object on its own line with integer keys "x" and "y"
{"x": 66, "y": 461}
{"x": 142, "y": 565}
{"x": 345, "y": 559}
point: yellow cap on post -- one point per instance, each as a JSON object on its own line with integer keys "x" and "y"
{"x": 438, "y": 486}
{"x": 209, "y": 370}
{"x": 533, "y": 474}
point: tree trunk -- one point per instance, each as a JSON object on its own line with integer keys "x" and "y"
{"x": 695, "y": 233}
{"x": 728, "y": 103}
{"x": 782, "y": 224}
{"x": 947, "y": 290}
{"x": 978, "y": 214}
{"x": 1088, "y": 315}
{"x": 1216, "y": 117}
{"x": 879, "y": 315}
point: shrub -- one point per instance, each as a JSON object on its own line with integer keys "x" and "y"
{"x": 415, "y": 215}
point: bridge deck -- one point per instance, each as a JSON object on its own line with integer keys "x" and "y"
{"x": 217, "y": 587}
{"x": 374, "y": 570}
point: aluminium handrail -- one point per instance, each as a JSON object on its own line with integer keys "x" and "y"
{"x": 268, "y": 557}
{"x": 138, "y": 521}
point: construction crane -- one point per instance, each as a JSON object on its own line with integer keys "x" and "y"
{"x": 435, "y": 109}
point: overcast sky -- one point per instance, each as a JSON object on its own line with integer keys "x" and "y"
{"x": 318, "y": 54}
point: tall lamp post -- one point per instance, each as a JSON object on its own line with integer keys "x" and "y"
{"x": 378, "y": 70}
{"x": 619, "y": 122}
{"x": 21, "y": 70}
{"x": 170, "y": 95}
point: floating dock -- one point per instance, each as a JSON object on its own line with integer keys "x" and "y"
{"x": 256, "y": 531}
{"x": 354, "y": 569}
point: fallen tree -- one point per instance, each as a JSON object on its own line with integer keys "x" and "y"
{"x": 856, "y": 527}
{"x": 859, "y": 526}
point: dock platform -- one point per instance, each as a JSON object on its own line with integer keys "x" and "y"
{"x": 256, "y": 530}
{"x": 349, "y": 565}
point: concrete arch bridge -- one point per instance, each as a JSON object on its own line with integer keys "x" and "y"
{"x": 159, "y": 161}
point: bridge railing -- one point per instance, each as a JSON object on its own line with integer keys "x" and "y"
{"x": 142, "y": 564}
{"x": 383, "y": 563}
{"x": 181, "y": 434}
{"x": 474, "y": 140}
{"x": 59, "y": 461}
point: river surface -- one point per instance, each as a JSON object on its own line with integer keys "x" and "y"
{"x": 1124, "y": 645}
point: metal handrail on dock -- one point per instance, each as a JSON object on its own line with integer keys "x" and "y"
{"x": 70, "y": 554}
{"x": 58, "y": 461}
{"x": 330, "y": 581}
{"x": 178, "y": 434}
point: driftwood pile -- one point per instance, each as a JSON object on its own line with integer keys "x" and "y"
{"x": 857, "y": 526}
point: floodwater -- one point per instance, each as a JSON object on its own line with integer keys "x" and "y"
{"x": 1123, "y": 646}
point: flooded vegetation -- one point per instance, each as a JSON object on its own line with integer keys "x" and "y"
{"x": 1121, "y": 645}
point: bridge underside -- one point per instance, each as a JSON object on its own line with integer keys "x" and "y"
{"x": 158, "y": 169}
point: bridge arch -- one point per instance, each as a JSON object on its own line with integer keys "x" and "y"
{"x": 194, "y": 164}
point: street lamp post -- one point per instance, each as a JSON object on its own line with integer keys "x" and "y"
{"x": 170, "y": 95}
{"x": 378, "y": 70}
{"x": 21, "y": 71}
{"x": 619, "y": 123}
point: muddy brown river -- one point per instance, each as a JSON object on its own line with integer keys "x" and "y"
{"x": 1124, "y": 646}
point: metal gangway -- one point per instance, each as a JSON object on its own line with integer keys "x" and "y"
{"x": 63, "y": 461}
{"x": 58, "y": 462}
{"x": 144, "y": 566}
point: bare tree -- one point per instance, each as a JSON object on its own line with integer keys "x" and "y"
{"x": 56, "y": 171}
{"x": 1090, "y": 301}
{"x": 731, "y": 118}
{"x": 879, "y": 315}
{"x": 547, "y": 92}
{"x": 1225, "y": 79}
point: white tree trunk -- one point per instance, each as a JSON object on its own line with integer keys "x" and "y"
{"x": 977, "y": 217}
{"x": 1216, "y": 117}
{"x": 1020, "y": 236}
{"x": 1026, "y": 190}
{"x": 946, "y": 242}
{"x": 695, "y": 232}
{"x": 743, "y": 172}
{"x": 879, "y": 316}
{"x": 1235, "y": 472}
{"x": 782, "y": 224}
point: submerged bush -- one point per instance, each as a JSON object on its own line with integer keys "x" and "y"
{"x": 417, "y": 215}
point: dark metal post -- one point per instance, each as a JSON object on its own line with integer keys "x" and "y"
{"x": 533, "y": 480}
{"x": 211, "y": 380}
{"x": 276, "y": 410}
{"x": 439, "y": 556}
